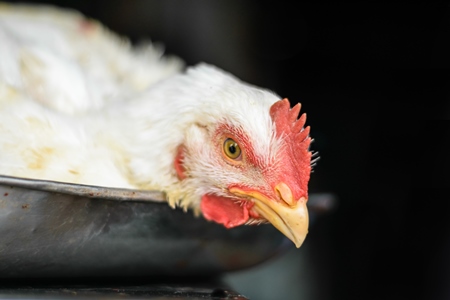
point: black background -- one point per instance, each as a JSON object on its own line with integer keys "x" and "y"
{"x": 374, "y": 80}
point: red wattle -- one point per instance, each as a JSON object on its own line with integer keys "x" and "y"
{"x": 224, "y": 210}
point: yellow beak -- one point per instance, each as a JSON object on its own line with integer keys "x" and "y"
{"x": 288, "y": 216}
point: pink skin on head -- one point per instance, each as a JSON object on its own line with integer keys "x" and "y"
{"x": 231, "y": 211}
{"x": 293, "y": 168}
{"x": 223, "y": 210}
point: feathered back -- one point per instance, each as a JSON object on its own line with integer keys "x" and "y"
{"x": 39, "y": 43}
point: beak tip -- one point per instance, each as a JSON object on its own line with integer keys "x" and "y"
{"x": 298, "y": 242}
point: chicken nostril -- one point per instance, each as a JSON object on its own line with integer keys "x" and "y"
{"x": 284, "y": 193}
{"x": 277, "y": 192}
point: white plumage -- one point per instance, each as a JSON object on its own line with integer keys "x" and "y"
{"x": 79, "y": 104}
{"x": 39, "y": 43}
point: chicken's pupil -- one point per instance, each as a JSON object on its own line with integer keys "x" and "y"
{"x": 232, "y": 148}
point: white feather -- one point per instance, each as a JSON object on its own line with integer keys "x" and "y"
{"x": 71, "y": 63}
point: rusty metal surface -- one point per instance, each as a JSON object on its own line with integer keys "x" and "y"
{"x": 51, "y": 229}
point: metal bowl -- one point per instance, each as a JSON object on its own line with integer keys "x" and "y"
{"x": 54, "y": 229}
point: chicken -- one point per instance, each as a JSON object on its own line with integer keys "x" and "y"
{"x": 84, "y": 106}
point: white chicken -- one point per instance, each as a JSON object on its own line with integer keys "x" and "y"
{"x": 79, "y": 104}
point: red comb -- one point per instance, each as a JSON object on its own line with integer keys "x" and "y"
{"x": 291, "y": 130}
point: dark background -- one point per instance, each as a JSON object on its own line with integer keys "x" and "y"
{"x": 374, "y": 81}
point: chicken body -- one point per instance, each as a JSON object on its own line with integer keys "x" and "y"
{"x": 233, "y": 152}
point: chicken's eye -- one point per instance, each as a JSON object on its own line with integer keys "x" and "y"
{"x": 231, "y": 149}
